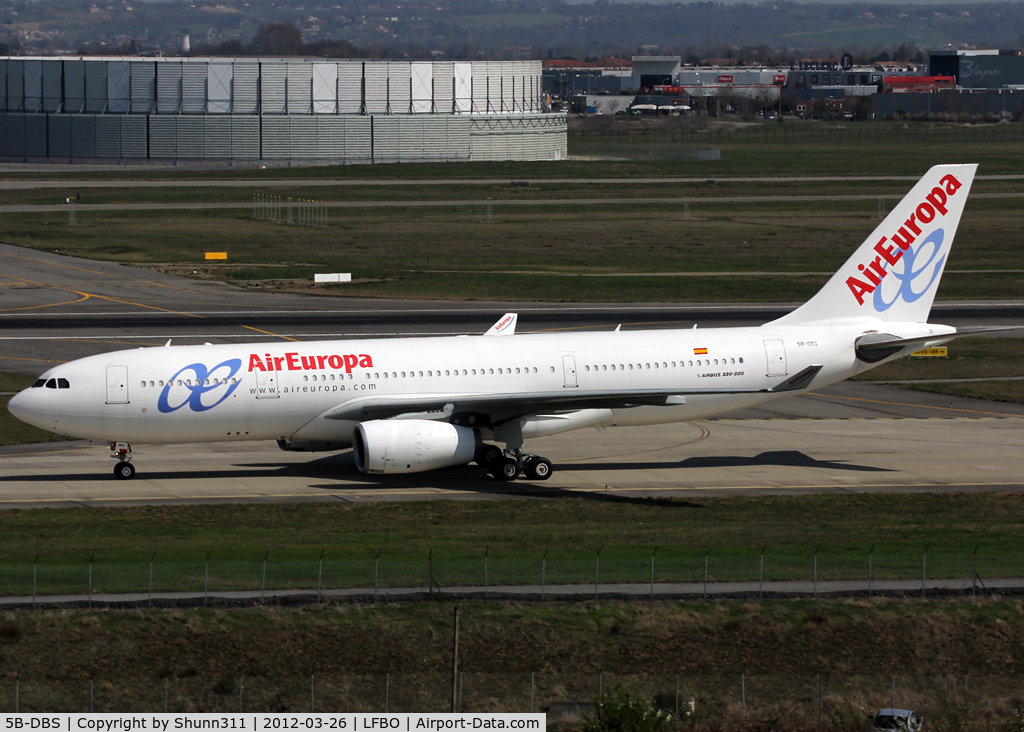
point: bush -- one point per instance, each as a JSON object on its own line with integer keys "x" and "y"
{"x": 622, "y": 711}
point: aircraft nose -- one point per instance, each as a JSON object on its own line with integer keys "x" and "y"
{"x": 20, "y": 405}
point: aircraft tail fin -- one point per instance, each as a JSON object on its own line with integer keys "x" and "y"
{"x": 894, "y": 274}
{"x": 505, "y": 326}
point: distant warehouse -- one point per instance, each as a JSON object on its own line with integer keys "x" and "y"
{"x": 295, "y": 110}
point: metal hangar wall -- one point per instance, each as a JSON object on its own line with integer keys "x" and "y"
{"x": 70, "y": 109}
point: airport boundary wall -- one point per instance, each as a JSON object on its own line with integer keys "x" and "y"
{"x": 96, "y": 109}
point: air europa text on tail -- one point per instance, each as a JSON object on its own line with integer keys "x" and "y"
{"x": 933, "y": 206}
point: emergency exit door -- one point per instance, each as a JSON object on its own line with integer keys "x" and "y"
{"x": 117, "y": 384}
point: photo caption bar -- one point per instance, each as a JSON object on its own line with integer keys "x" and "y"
{"x": 130, "y": 722}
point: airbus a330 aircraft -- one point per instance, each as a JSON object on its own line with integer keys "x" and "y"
{"x": 409, "y": 405}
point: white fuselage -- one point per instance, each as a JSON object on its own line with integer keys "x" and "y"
{"x": 284, "y": 391}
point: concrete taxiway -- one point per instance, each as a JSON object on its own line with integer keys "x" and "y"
{"x": 850, "y": 437}
{"x": 961, "y": 450}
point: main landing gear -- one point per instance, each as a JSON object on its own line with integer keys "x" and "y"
{"x": 122, "y": 452}
{"x": 509, "y": 466}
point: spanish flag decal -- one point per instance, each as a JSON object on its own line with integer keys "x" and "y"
{"x": 700, "y": 352}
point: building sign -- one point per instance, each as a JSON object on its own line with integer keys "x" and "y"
{"x": 991, "y": 72}
{"x": 725, "y": 78}
{"x": 779, "y": 79}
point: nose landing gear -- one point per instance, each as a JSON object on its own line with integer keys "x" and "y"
{"x": 122, "y": 452}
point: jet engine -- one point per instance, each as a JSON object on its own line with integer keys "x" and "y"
{"x": 411, "y": 445}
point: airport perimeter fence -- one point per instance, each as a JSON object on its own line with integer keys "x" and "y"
{"x": 285, "y": 209}
{"x": 593, "y": 572}
{"x": 696, "y": 701}
{"x": 782, "y": 133}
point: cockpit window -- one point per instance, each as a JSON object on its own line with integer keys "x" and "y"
{"x": 39, "y": 382}
{"x": 51, "y": 384}
{"x": 63, "y": 384}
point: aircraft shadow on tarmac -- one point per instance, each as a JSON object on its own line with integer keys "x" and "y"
{"x": 462, "y": 478}
{"x": 779, "y": 458}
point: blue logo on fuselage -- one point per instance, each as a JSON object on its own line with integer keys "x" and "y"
{"x": 206, "y": 381}
{"x": 910, "y": 271}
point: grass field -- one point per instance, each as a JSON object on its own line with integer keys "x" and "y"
{"x": 527, "y": 251}
{"x": 515, "y": 536}
{"x": 509, "y": 638}
{"x": 397, "y": 657}
{"x": 454, "y": 253}
{"x": 996, "y": 391}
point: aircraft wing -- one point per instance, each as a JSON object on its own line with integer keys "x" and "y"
{"x": 507, "y": 406}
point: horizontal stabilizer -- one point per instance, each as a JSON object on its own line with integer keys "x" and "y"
{"x": 874, "y": 347}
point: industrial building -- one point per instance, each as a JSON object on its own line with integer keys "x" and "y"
{"x": 981, "y": 83}
{"x": 273, "y": 109}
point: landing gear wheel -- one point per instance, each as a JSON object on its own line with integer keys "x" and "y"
{"x": 488, "y": 455}
{"x": 538, "y": 468}
{"x": 505, "y": 469}
{"x": 124, "y": 471}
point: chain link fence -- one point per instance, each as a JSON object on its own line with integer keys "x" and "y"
{"x": 870, "y": 569}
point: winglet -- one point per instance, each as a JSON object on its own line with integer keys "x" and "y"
{"x": 506, "y": 325}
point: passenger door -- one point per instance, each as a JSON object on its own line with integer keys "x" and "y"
{"x": 117, "y": 384}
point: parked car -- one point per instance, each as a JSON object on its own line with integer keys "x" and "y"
{"x": 896, "y": 719}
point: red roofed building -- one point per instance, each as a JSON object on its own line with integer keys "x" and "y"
{"x": 905, "y": 84}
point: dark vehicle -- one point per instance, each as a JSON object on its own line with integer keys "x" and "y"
{"x": 896, "y": 719}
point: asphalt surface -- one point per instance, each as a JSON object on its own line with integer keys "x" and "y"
{"x": 787, "y": 453}
{"x": 660, "y": 591}
{"x": 849, "y": 437}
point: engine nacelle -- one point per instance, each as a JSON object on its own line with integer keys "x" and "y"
{"x": 411, "y": 445}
